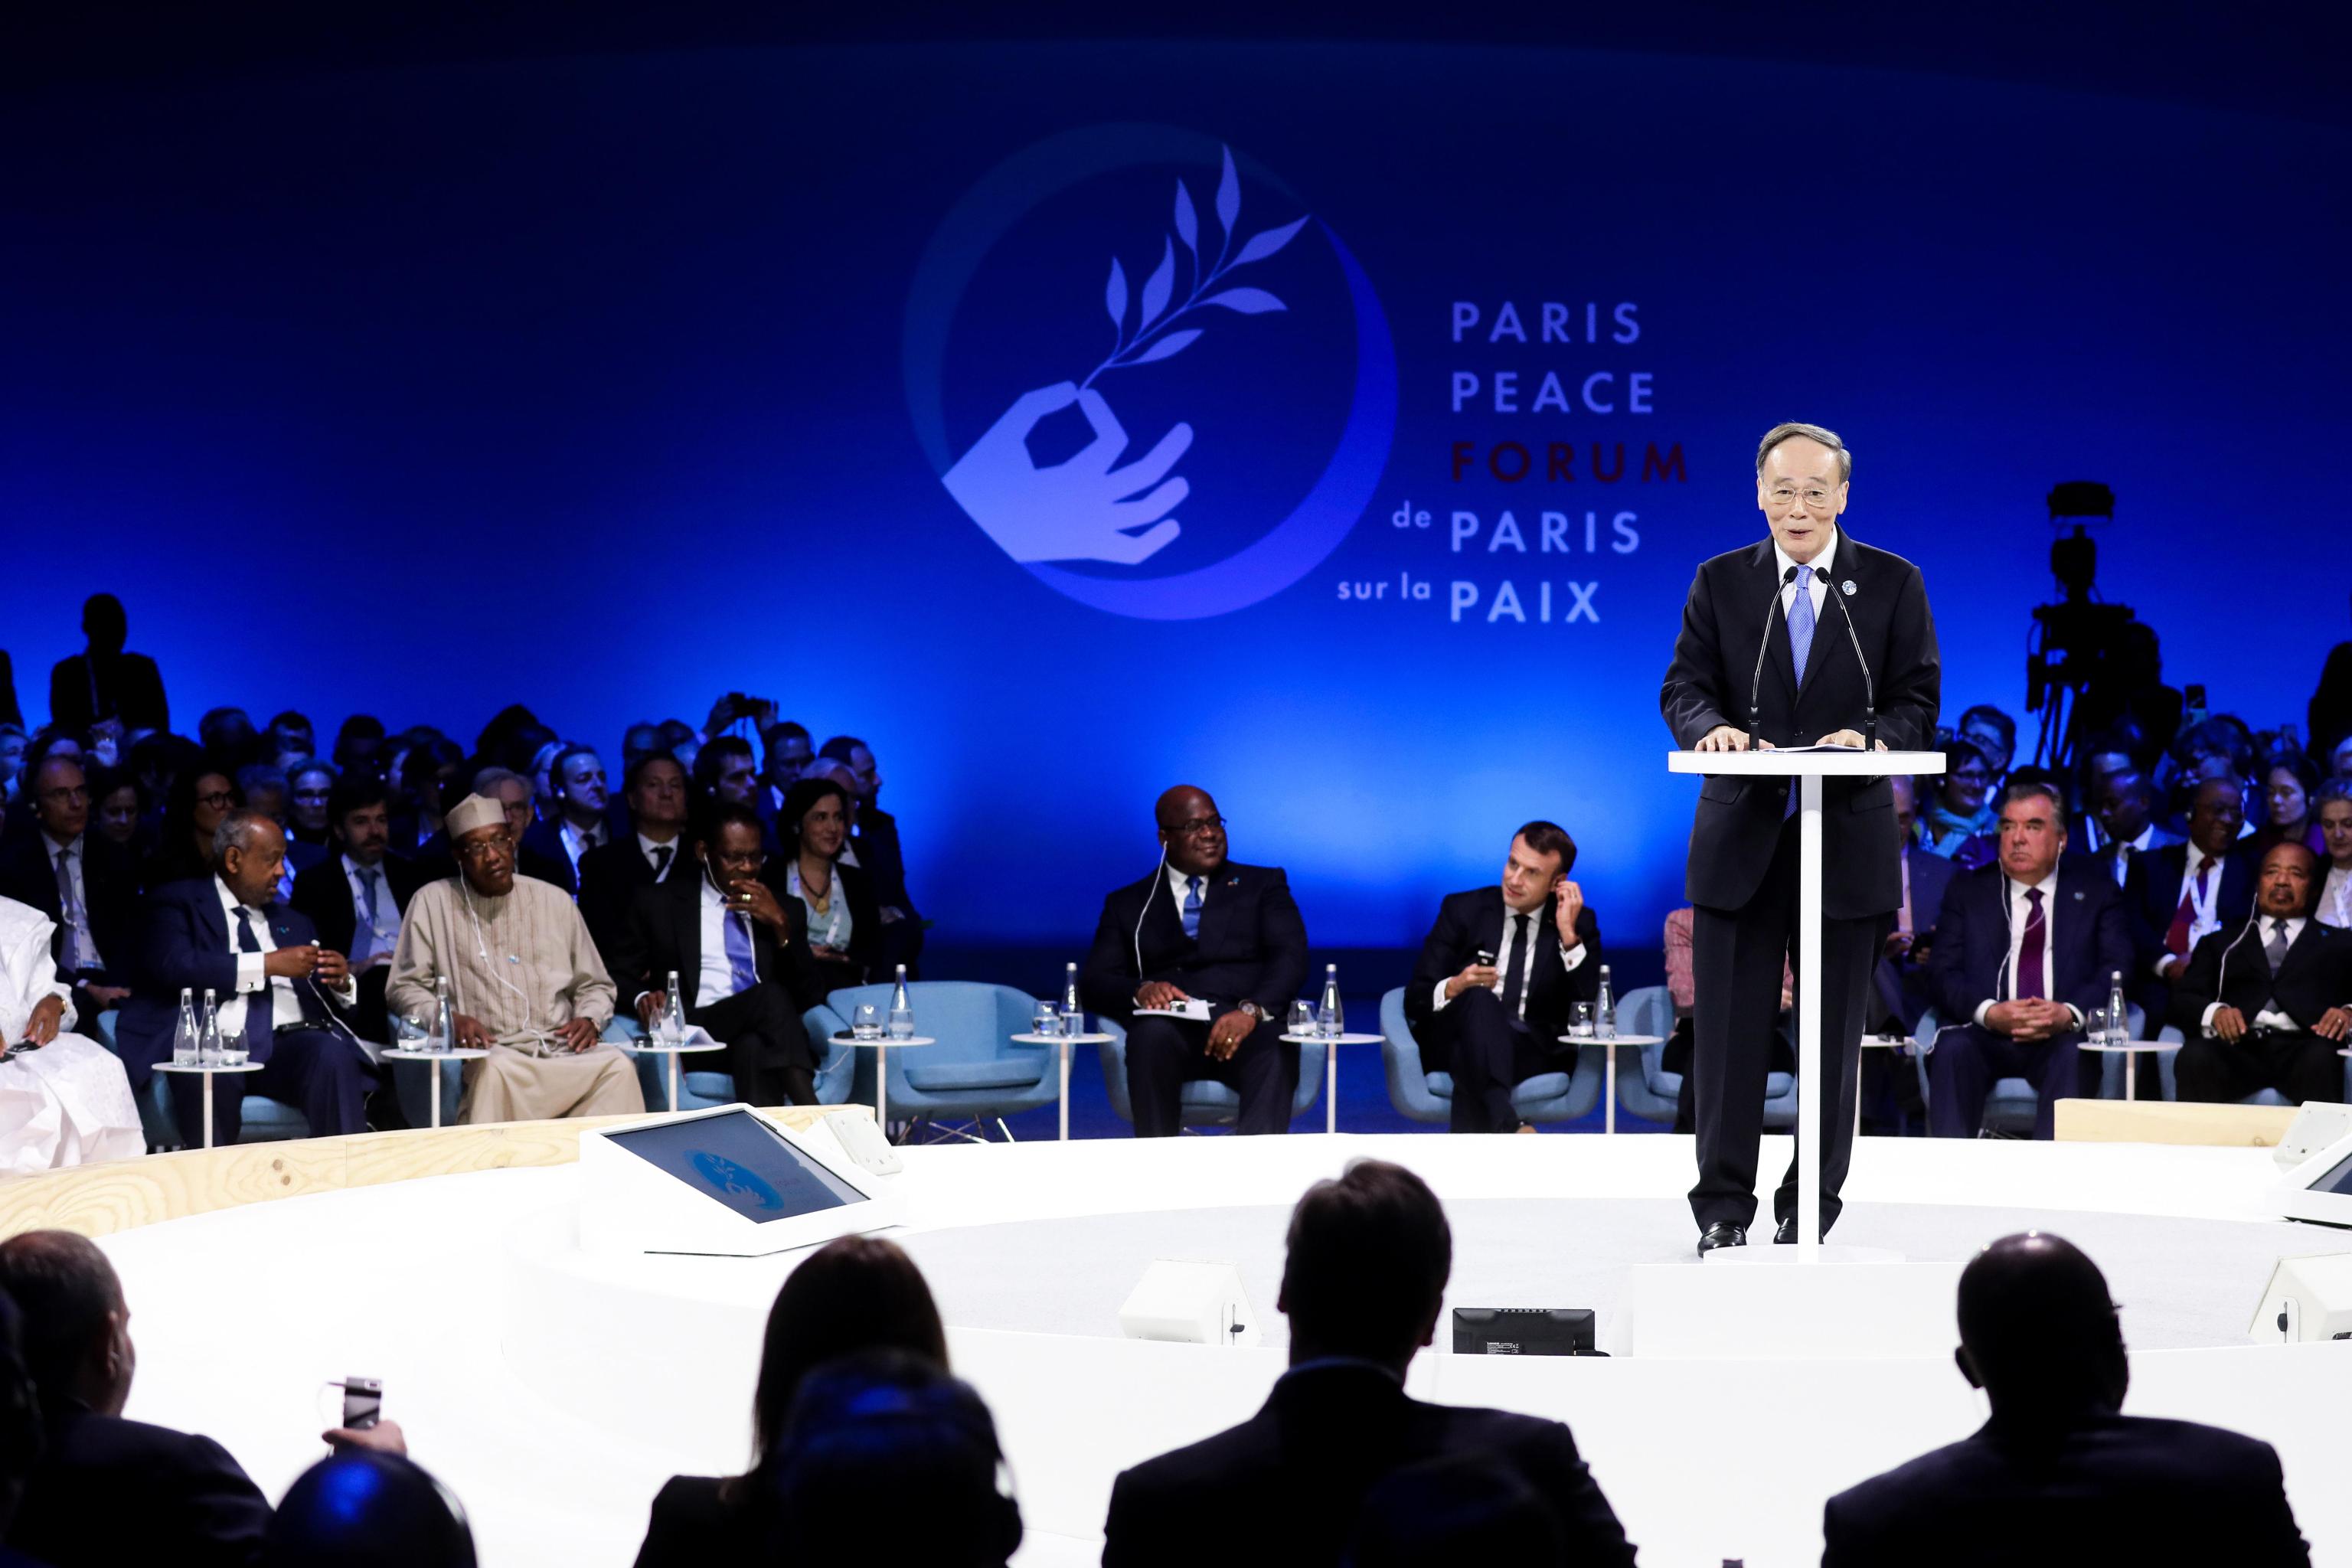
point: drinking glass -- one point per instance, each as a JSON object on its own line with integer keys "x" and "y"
{"x": 902, "y": 1023}
{"x": 407, "y": 1034}
{"x": 866, "y": 1022}
{"x": 1047, "y": 1020}
{"x": 1302, "y": 1020}
{"x": 1581, "y": 1028}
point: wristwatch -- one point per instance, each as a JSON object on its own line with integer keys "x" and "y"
{"x": 1253, "y": 1010}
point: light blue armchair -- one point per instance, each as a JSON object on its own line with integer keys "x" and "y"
{"x": 265, "y": 1120}
{"x": 702, "y": 1088}
{"x": 1427, "y": 1095}
{"x": 2172, "y": 1039}
{"x": 1651, "y": 1092}
{"x": 975, "y": 1072}
{"x": 1204, "y": 1102}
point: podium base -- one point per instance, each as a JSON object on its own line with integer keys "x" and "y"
{"x": 1760, "y": 1307}
{"x": 1767, "y": 1254}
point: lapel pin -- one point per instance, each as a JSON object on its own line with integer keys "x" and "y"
{"x": 1848, "y": 586}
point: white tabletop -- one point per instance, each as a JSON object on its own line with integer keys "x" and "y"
{"x": 884, "y": 1040}
{"x": 1060, "y": 1039}
{"x": 1612, "y": 1040}
{"x": 457, "y": 1054}
{"x": 209, "y": 1066}
{"x": 656, "y": 1048}
{"x": 2133, "y": 1046}
{"x": 1334, "y": 1039}
{"x": 1841, "y": 764}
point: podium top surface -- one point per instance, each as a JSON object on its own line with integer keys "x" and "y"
{"x": 1837, "y": 765}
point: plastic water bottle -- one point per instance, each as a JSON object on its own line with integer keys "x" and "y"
{"x": 1331, "y": 1022}
{"x": 208, "y": 1038}
{"x": 2118, "y": 1025}
{"x": 902, "y": 1010}
{"x": 1604, "y": 1015}
{"x": 442, "y": 1033}
{"x": 1074, "y": 1012}
{"x": 673, "y": 1019}
{"x": 186, "y": 1048}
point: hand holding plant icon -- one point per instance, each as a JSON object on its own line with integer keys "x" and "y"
{"x": 1075, "y": 510}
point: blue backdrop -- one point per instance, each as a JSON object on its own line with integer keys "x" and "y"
{"x": 609, "y": 384}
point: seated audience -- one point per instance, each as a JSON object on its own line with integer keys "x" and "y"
{"x": 267, "y": 793}
{"x": 421, "y": 777}
{"x": 289, "y": 738}
{"x": 2024, "y": 951}
{"x": 2060, "y": 1476}
{"x": 64, "y": 1098}
{"x": 789, "y": 753}
{"x": 1498, "y": 978}
{"x": 355, "y": 898}
{"x": 858, "y": 1293}
{"x": 525, "y": 982}
{"x": 84, "y": 883}
{"x": 104, "y": 682}
{"x": 356, "y": 743}
{"x": 835, "y": 897}
{"x": 641, "y": 739}
{"x": 13, "y": 748}
{"x": 741, "y": 955}
{"x": 541, "y": 773}
{"x": 1363, "y": 1287}
{"x": 581, "y": 820}
{"x": 226, "y": 735}
{"x": 310, "y": 783}
{"x": 2339, "y": 759}
{"x": 1682, "y": 987}
{"x": 201, "y": 797}
{"x": 367, "y": 1507}
{"x": 2333, "y": 807}
{"x": 2180, "y": 893}
{"x": 1958, "y": 813}
{"x": 2122, "y": 826}
{"x": 612, "y": 874}
{"x": 874, "y": 848}
{"x": 278, "y": 990}
{"x": 2289, "y": 779}
{"x": 725, "y": 774}
{"x": 436, "y": 860}
{"x": 2265, "y": 1002}
{"x": 874, "y": 1429}
{"x": 1200, "y": 926}
{"x": 119, "y": 808}
{"x": 1993, "y": 733}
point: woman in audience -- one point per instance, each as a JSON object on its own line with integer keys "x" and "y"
{"x": 842, "y": 922}
{"x": 858, "y": 1293}
{"x": 2332, "y": 806}
{"x": 200, "y": 797}
{"x": 1956, "y": 813}
{"x": 13, "y": 745}
{"x": 118, "y": 805}
{"x": 2289, "y": 780}
{"x": 309, "y": 784}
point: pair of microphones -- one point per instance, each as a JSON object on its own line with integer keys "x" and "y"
{"x": 1756, "y": 680}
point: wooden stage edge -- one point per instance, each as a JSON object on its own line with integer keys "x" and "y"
{"x": 123, "y": 1195}
{"x": 2170, "y": 1121}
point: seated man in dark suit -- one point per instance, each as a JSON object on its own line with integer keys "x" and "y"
{"x": 1201, "y": 926}
{"x": 84, "y": 882}
{"x": 278, "y": 989}
{"x": 354, "y": 898}
{"x": 2178, "y": 894}
{"x": 109, "y": 1491}
{"x": 2024, "y": 950}
{"x": 1499, "y": 976}
{"x": 1369, "y": 1257}
{"x": 2263, "y": 1002}
{"x": 874, "y": 848}
{"x": 612, "y": 874}
{"x": 2059, "y": 1476}
{"x": 2123, "y": 818}
{"x": 741, "y": 955}
{"x": 582, "y": 818}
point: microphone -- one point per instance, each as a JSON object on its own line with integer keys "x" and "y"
{"x": 1756, "y": 680}
{"x": 1869, "y": 687}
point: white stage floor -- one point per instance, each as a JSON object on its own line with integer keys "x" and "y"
{"x": 555, "y": 1391}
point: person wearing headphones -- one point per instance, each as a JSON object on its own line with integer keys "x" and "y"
{"x": 525, "y": 982}
{"x": 1204, "y": 929}
{"x": 2266, "y": 1002}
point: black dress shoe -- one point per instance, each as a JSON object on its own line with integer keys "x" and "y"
{"x": 1785, "y": 1233}
{"x": 1722, "y": 1235}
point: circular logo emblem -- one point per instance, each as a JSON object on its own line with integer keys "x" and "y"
{"x": 735, "y": 1180}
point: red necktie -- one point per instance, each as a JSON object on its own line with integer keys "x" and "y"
{"x": 2176, "y": 941}
{"x": 2027, "y": 981}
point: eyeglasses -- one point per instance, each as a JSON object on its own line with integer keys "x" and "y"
{"x": 1195, "y": 828}
{"x": 485, "y": 850}
{"x": 216, "y": 799}
{"x": 755, "y": 860}
{"x": 1814, "y": 496}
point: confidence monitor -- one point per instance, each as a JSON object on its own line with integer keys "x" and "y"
{"x": 727, "y": 1182}
{"x": 2321, "y": 1188}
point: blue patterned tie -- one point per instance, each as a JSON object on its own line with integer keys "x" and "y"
{"x": 261, "y": 1006}
{"x": 1800, "y": 622}
{"x": 363, "y": 942}
{"x": 738, "y": 951}
{"x": 1193, "y": 908}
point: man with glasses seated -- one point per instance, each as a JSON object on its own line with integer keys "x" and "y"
{"x": 741, "y": 955}
{"x": 83, "y": 881}
{"x": 1201, "y": 927}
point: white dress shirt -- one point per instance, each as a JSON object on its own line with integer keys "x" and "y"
{"x": 2108, "y": 849}
{"x": 1178, "y": 884}
{"x": 2268, "y": 1018}
{"x": 718, "y": 979}
{"x": 2207, "y": 918}
{"x": 676, "y": 852}
{"x": 1570, "y": 957}
{"x": 1820, "y": 590}
{"x": 578, "y": 841}
{"x": 2336, "y": 898}
{"x": 383, "y": 926}
{"x": 79, "y": 938}
{"x": 285, "y": 1007}
{"x": 2018, "y": 910}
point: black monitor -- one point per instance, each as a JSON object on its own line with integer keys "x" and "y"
{"x": 1523, "y": 1331}
{"x": 737, "y": 1160}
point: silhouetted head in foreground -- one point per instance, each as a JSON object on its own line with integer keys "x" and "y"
{"x": 360, "y": 1509}
{"x": 2039, "y": 1333}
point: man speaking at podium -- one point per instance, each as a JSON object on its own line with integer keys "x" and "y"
{"x": 1807, "y": 638}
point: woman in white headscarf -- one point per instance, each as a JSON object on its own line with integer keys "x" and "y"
{"x": 63, "y": 1099}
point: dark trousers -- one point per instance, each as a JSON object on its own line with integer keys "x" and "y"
{"x": 1735, "y": 959}
{"x": 1489, "y": 1053}
{"x": 1967, "y": 1061}
{"x": 2300, "y": 1065}
{"x": 1162, "y": 1054}
{"x": 767, "y": 1046}
{"x": 316, "y": 1071}
{"x": 1676, "y": 1057}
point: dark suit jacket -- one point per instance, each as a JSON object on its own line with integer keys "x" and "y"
{"x": 1251, "y": 946}
{"x": 1903, "y": 983}
{"x": 323, "y": 895}
{"x": 129, "y": 688}
{"x": 110, "y": 1491}
{"x": 663, "y": 932}
{"x": 864, "y": 921}
{"x": 186, "y": 947}
{"x": 693, "y": 1527}
{"x": 882, "y": 859}
{"x": 611, "y": 874}
{"x": 2152, "y": 894}
{"x": 2089, "y": 939}
{"x": 110, "y": 884}
{"x": 543, "y": 841}
{"x": 2118, "y": 1489}
{"x": 2317, "y": 975}
{"x": 1299, "y": 1469}
{"x": 1732, "y": 607}
{"x": 1472, "y": 921}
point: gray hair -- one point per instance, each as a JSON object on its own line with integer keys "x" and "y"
{"x": 237, "y": 830}
{"x": 260, "y": 775}
{"x": 489, "y": 779}
{"x": 1823, "y": 433}
{"x": 2035, "y": 789}
{"x": 2334, "y": 789}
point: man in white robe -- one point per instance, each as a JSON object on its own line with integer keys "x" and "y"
{"x": 64, "y": 1099}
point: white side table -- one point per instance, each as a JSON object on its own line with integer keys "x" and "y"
{"x": 1331, "y": 1068}
{"x": 655, "y": 1047}
{"x": 206, "y": 1071}
{"x": 2129, "y": 1050}
{"x": 1871, "y": 1043}
{"x": 881, "y": 1049}
{"x": 1066, "y": 1042}
{"x": 403, "y": 1054}
{"x": 1608, "y": 1058}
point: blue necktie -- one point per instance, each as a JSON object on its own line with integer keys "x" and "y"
{"x": 363, "y": 942}
{"x": 1800, "y": 622}
{"x": 261, "y": 1006}
{"x": 738, "y": 951}
{"x": 1193, "y": 908}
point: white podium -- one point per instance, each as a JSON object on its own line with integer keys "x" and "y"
{"x": 1809, "y": 768}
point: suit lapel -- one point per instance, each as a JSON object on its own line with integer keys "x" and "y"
{"x": 1776, "y": 633}
{"x": 1219, "y": 894}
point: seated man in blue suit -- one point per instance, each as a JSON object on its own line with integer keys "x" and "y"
{"x": 2024, "y": 950}
{"x": 2060, "y": 1476}
{"x": 1201, "y": 927}
{"x": 278, "y": 989}
{"x": 1498, "y": 977}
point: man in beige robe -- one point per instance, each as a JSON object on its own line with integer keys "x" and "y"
{"x": 525, "y": 982}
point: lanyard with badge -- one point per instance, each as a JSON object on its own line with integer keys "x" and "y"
{"x": 833, "y": 916}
